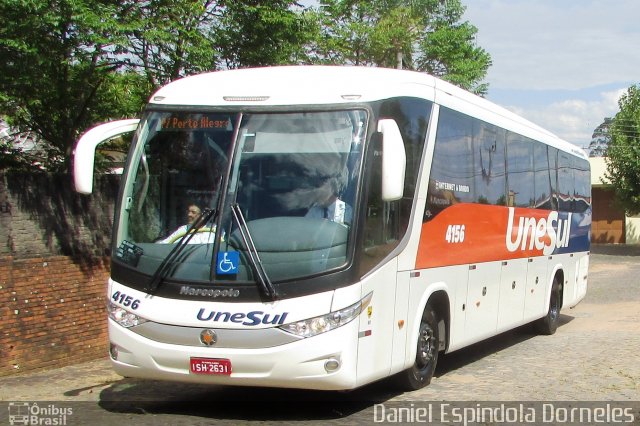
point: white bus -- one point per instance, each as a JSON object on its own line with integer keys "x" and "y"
{"x": 347, "y": 225}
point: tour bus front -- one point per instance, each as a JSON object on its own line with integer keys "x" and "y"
{"x": 234, "y": 247}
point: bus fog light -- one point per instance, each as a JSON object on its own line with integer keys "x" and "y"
{"x": 113, "y": 351}
{"x": 331, "y": 365}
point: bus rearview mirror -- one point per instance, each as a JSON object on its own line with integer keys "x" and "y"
{"x": 394, "y": 160}
{"x": 85, "y": 151}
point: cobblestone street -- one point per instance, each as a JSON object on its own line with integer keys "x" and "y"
{"x": 592, "y": 357}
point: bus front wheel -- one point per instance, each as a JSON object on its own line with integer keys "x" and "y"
{"x": 420, "y": 374}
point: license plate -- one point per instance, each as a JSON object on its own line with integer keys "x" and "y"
{"x": 211, "y": 366}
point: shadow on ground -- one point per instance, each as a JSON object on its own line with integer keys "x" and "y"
{"x": 139, "y": 396}
{"x": 616, "y": 249}
{"x": 460, "y": 358}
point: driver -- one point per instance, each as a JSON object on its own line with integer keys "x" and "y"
{"x": 204, "y": 235}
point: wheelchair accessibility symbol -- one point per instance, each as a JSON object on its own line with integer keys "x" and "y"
{"x": 228, "y": 262}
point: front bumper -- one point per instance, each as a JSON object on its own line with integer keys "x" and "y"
{"x": 298, "y": 364}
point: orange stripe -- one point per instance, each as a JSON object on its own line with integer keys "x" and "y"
{"x": 485, "y": 228}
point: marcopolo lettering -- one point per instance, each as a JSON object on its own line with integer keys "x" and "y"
{"x": 209, "y": 292}
{"x": 544, "y": 234}
{"x": 250, "y": 318}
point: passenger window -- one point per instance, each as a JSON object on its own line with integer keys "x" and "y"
{"x": 553, "y": 172}
{"x": 583, "y": 186}
{"x": 452, "y": 170}
{"x": 520, "y": 171}
{"x": 489, "y": 164}
{"x": 542, "y": 184}
{"x": 565, "y": 182}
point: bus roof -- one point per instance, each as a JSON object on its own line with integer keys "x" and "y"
{"x": 319, "y": 85}
{"x": 291, "y": 85}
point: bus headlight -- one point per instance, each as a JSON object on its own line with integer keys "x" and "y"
{"x": 314, "y": 326}
{"x": 122, "y": 316}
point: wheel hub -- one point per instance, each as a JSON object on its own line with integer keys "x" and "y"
{"x": 426, "y": 346}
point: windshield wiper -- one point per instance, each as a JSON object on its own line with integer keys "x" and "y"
{"x": 165, "y": 267}
{"x": 263, "y": 280}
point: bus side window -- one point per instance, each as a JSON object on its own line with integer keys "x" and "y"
{"x": 553, "y": 173}
{"x": 374, "y": 229}
{"x": 520, "y": 177}
{"x": 542, "y": 177}
{"x": 381, "y": 223}
{"x": 385, "y": 223}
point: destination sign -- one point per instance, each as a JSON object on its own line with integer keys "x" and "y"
{"x": 195, "y": 122}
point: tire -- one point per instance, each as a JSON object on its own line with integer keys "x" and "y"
{"x": 420, "y": 374}
{"x": 549, "y": 323}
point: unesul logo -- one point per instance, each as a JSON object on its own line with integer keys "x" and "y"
{"x": 249, "y": 318}
{"x": 544, "y": 234}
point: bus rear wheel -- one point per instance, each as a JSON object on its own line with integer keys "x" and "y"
{"x": 420, "y": 374}
{"x": 549, "y": 323}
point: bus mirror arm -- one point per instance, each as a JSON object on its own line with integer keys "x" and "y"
{"x": 85, "y": 150}
{"x": 394, "y": 160}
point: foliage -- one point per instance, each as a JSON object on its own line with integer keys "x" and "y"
{"x": 258, "y": 33}
{"x": 70, "y": 64}
{"x": 623, "y": 153}
{"x": 65, "y": 62}
{"x": 449, "y": 50}
{"x": 56, "y": 59}
{"x": 168, "y": 39}
{"x": 345, "y": 32}
{"x": 421, "y": 35}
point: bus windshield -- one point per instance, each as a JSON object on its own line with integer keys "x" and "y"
{"x": 213, "y": 195}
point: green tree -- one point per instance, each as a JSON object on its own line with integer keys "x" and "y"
{"x": 394, "y": 36}
{"x": 168, "y": 39}
{"x": 421, "y": 35}
{"x": 448, "y": 49}
{"x": 56, "y": 58}
{"x": 253, "y": 33}
{"x": 71, "y": 63}
{"x": 623, "y": 152}
{"x": 345, "y": 32}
